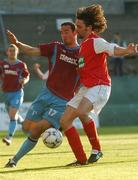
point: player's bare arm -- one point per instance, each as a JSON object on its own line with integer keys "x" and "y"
{"x": 29, "y": 50}
{"x": 23, "y": 81}
{"x": 130, "y": 49}
{"x": 38, "y": 71}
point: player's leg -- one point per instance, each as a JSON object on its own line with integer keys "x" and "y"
{"x": 90, "y": 128}
{"x": 28, "y": 125}
{"x": 51, "y": 118}
{"x": 72, "y": 135}
{"x": 30, "y": 142}
{"x": 94, "y": 99}
{"x": 38, "y": 110}
{"x": 13, "y": 101}
{"x": 70, "y": 132}
{"x": 12, "y": 125}
{"x": 19, "y": 118}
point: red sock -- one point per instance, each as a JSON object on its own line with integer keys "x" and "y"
{"x": 91, "y": 131}
{"x": 75, "y": 143}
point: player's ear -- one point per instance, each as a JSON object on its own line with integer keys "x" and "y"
{"x": 75, "y": 32}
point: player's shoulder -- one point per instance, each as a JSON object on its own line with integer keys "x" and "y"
{"x": 58, "y": 43}
{"x": 52, "y": 44}
{"x": 3, "y": 62}
{"x": 21, "y": 63}
{"x": 94, "y": 40}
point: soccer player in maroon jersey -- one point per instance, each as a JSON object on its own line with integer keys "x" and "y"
{"x": 14, "y": 75}
{"x": 95, "y": 80}
{"x": 60, "y": 86}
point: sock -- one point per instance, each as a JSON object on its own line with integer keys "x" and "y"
{"x": 91, "y": 131}
{"x": 27, "y": 146}
{"x": 12, "y": 127}
{"x": 75, "y": 143}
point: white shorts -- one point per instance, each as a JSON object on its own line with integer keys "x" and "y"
{"x": 97, "y": 95}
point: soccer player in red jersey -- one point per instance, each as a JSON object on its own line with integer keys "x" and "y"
{"x": 95, "y": 80}
{"x": 14, "y": 75}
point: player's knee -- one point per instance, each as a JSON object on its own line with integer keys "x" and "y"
{"x": 25, "y": 127}
{"x": 36, "y": 132}
{"x": 82, "y": 114}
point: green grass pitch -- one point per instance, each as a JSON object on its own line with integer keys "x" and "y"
{"x": 120, "y": 160}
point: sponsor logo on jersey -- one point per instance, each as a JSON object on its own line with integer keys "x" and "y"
{"x": 10, "y": 72}
{"x": 6, "y": 66}
{"x": 67, "y": 59}
{"x": 81, "y": 62}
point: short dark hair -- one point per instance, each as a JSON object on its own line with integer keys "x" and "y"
{"x": 71, "y": 24}
{"x": 13, "y": 46}
{"x": 93, "y": 16}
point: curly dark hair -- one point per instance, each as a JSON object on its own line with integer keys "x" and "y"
{"x": 93, "y": 16}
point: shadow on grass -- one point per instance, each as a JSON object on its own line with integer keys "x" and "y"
{"x": 42, "y": 153}
{"x": 63, "y": 167}
{"x": 66, "y": 152}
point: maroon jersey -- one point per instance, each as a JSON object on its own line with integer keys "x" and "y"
{"x": 63, "y": 79}
{"x": 11, "y": 73}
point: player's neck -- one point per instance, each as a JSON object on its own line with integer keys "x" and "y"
{"x": 87, "y": 35}
{"x": 12, "y": 60}
{"x": 73, "y": 45}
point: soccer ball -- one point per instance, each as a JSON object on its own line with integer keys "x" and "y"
{"x": 52, "y": 138}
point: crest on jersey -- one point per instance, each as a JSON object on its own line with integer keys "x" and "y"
{"x": 81, "y": 62}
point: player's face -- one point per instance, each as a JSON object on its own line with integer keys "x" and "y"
{"x": 67, "y": 35}
{"x": 82, "y": 29}
{"x": 12, "y": 53}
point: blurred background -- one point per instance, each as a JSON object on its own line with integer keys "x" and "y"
{"x": 38, "y": 21}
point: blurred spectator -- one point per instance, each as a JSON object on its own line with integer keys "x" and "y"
{"x": 118, "y": 62}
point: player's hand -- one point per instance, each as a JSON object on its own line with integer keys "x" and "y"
{"x": 132, "y": 48}
{"x": 36, "y": 66}
{"x": 12, "y": 37}
{"x": 22, "y": 81}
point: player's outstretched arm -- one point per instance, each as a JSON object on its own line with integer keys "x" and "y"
{"x": 38, "y": 71}
{"x": 26, "y": 49}
{"x": 130, "y": 49}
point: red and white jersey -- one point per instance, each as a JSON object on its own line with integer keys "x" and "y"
{"x": 11, "y": 73}
{"x": 92, "y": 61}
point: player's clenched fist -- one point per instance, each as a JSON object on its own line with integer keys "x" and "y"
{"x": 132, "y": 48}
{"x": 12, "y": 37}
{"x": 36, "y": 66}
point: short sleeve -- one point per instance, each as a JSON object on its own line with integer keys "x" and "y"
{"x": 100, "y": 46}
{"x": 25, "y": 72}
{"x": 47, "y": 49}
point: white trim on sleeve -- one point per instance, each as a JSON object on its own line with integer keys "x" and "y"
{"x": 100, "y": 46}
